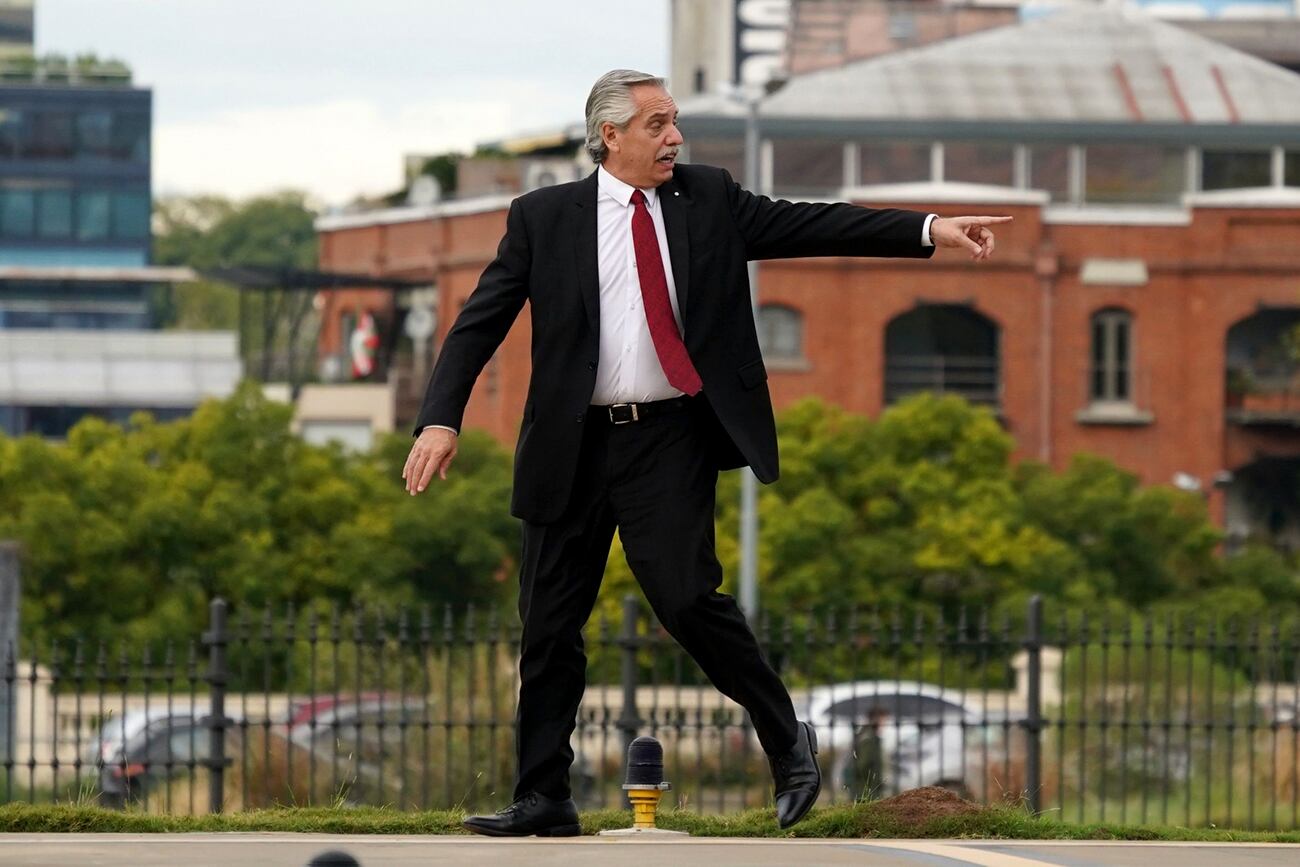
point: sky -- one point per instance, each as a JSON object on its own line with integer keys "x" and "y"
{"x": 252, "y": 96}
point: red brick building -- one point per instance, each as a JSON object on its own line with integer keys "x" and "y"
{"x": 1140, "y": 307}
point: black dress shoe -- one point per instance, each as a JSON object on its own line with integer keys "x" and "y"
{"x": 797, "y": 776}
{"x": 534, "y": 813}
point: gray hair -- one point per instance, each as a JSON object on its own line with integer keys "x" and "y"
{"x": 611, "y": 101}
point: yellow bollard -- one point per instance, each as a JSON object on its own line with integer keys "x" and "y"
{"x": 644, "y": 804}
{"x": 645, "y": 785}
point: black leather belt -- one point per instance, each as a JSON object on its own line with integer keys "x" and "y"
{"x": 624, "y": 413}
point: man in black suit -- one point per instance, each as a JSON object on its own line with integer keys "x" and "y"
{"x": 647, "y": 380}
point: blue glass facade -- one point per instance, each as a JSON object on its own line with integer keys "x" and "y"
{"x": 74, "y": 193}
{"x": 74, "y": 175}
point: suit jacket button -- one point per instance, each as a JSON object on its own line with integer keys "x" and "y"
{"x": 579, "y": 418}
{"x": 591, "y": 365}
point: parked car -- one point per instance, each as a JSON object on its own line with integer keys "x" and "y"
{"x": 358, "y": 738}
{"x": 168, "y": 746}
{"x": 119, "y": 728}
{"x": 925, "y": 732}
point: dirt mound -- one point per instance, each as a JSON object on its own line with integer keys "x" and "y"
{"x": 918, "y": 806}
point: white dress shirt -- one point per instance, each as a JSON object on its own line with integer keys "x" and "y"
{"x": 628, "y": 370}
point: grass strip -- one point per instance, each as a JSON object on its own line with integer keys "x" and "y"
{"x": 852, "y": 821}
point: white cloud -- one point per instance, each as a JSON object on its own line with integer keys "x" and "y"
{"x": 334, "y": 150}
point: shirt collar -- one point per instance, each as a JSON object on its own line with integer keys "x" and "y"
{"x": 620, "y": 191}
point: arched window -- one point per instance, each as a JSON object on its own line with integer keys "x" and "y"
{"x": 780, "y": 332}
{"x": 945, "y": 349}
{"x": 1111, "y": 379}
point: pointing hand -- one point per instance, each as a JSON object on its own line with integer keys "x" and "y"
{"x": 970, "y": 233}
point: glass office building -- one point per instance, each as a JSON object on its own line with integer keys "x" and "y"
{"x": 76, "y": 334}
{"x": 74, "y": 175}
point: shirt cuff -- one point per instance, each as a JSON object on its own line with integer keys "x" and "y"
{"x": 925, "y": 231}
{"x": 440, "y": 427}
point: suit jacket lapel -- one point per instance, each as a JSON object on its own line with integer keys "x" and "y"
{"x": 584, "y": 240}
{"x": 676, "y": 205}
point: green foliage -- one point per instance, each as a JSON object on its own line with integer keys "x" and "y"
{"x": 205, "y": 232}
{"x": 860, "y": 820}
{"x": 127, "y": 533}
{"x": 922, "y": 512}
{"x": 443, "y": 169}
{"x": 272, "y": 231}
{"x": 921, "y": 509}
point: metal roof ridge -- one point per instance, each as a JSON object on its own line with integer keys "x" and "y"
{"x": 411, "y": 213}
{"x": 946, "y": 191}
{"x": 1245, "y": 197}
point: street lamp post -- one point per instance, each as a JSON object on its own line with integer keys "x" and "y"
{"x": 748, "y": 483}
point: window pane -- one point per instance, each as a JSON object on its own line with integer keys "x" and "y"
{"x": 13, "y": 131}
{"x": 1291, "y": 173}
{"x": 978, "y": 162}
{"x": 894, "y": 162}
{"x": 1221, "y": 170}
{"x": 52, "y": 135}
{"x": 17, "y": 213}
{"x": 94, "y": 133}
{"x": 808, "y": 167}
{"x": 1134, "y": 174}
{"x": 1111, "y": 341}
{"x": 726, "y": 154}
{"x": 781, "y": 331}
{"x": 130, "y": 216}
{"x": 131, "y": 136}
{"x": 92, "y": 216}
{"x": 54, "y": 214}
{"x": 1049, "y": 169}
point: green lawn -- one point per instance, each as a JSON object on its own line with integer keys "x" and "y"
{"x": 847, "y": 821}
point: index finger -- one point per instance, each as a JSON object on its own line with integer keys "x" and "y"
{"x": 985, "y": 221}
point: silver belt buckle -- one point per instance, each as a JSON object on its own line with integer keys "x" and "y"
{"x": 615, "y": 406}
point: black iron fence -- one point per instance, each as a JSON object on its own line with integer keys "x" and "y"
{"x": 1086, "y": 718}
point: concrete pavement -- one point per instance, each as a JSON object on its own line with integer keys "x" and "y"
{"x": 295, "y": 850}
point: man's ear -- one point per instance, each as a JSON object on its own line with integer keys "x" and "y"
{"x": 609, "y": 134}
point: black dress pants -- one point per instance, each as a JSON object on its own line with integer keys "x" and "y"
{"x": 656, "y": 482}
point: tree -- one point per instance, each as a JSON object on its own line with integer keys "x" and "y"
{"x": 917, "y": 509}
{"x": 206, "y": 232}
{"x": 128, "y": 532}
{"x": 922, "y": 509}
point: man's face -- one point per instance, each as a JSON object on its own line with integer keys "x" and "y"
{"x": 643, "y": 154}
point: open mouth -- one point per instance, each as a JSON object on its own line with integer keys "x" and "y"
{"x": 667, "y": 160}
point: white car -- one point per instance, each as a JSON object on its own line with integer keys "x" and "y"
{"x": 926, "y": 732}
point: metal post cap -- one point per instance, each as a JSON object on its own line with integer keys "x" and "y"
{"x": 333, "y": 858}
{"x": 645, "y": 762}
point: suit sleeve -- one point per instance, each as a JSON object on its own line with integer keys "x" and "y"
{"x": 787, "y": 230}
{"x": 482, "y": 324}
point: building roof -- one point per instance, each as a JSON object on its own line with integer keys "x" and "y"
{"x": 1245, "y": 197}
{"x": 946, "y": 192}
{"x": 1088, "y": 65}
{"x": 408, "y": 213}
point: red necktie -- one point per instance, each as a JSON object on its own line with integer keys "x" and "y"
{"x": 673, "y": 359}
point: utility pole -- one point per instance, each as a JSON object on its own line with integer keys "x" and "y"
{"x": 748, "y": 482}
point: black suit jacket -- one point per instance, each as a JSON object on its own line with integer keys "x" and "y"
{"x": 548, "y": 258}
